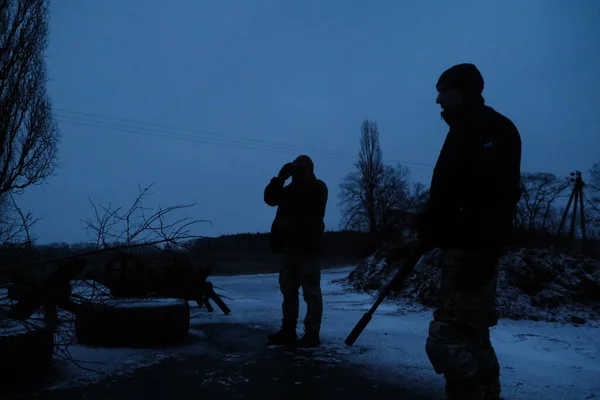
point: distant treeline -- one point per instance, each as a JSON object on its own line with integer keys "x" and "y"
{"x": 249, "y": 252}
{"x": 230, "y": 254}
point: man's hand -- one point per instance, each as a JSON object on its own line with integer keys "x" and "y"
{"x": 285, "y": 172}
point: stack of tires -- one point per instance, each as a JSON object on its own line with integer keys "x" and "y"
{"x": 133, "y": 322}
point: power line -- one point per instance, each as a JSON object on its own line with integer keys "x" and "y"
{"x": 151, "y": 129}
{"x": 146, "y": 132}
{"x": 265, "y": 145}
{"x": 186, "y": 136}
{"x": 193, "y": 131}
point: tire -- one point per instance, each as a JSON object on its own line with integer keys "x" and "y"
{"x": 26, "y": 352}
{"x": 133, "y": 322}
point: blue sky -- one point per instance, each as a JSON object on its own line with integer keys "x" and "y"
{"x": 303, "y": 73}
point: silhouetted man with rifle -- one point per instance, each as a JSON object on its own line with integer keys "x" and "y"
{"x": 469, "y": 216}
{"x": 298, "y": 232}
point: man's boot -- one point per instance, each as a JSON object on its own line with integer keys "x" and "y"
{"x": 310, "y": 338}
{"x": 286, "y": 336}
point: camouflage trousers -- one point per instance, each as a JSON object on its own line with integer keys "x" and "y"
{"x": 301, "y": 271}
{"x": 458, "y": 344}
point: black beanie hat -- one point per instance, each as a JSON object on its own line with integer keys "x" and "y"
{"x": 465, "y": 78}
{"x": 306, "y": 162}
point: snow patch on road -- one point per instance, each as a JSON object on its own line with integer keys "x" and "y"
{"x": 89, "y": 365}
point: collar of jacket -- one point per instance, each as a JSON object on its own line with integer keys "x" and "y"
{"x": 470, "y": 108}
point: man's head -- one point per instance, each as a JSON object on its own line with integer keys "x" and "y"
{"x": 458, "y": 85}
{"x": 303, "y": 168}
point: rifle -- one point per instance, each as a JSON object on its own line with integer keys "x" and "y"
{"x": 400, "y": 277}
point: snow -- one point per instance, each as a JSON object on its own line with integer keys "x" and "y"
{"x": 539, "y": 359}
{"x": 142, "y": 302}
{"x": 92, "y": 364}
{"x": 532, "y": 284}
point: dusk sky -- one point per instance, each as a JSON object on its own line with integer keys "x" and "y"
{"x": 208, "y": 99}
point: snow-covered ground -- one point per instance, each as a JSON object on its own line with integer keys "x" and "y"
{"x": 533, "y": 284}
{"x": 540, "y": 360}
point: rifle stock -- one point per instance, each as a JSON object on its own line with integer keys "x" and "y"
{"x": 400, "y": 277}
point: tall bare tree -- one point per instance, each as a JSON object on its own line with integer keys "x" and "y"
{"x": 359, "y": 188}
{"x": 373, "y": 190}
{"x": 28, "y": 132}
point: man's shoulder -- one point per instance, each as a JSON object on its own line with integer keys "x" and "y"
{"x": 322, "y": 185}
{"x": 498, "y": 119}
{"x": 499, "y": 124}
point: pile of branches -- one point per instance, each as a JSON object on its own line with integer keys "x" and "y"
{"x": 136, "y": 228}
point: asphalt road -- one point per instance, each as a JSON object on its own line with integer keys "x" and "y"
{"x": 239, "y": 366}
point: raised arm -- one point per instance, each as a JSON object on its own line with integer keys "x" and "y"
{"x": 272, "y": 195}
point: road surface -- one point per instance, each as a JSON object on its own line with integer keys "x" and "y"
{"x": 239, "y": 366}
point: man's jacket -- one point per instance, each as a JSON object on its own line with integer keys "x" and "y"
{"x": 476, "y": 182}
{"x": 298, "y": 226}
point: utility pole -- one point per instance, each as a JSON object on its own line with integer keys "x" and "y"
{"x": 575, "y": 200}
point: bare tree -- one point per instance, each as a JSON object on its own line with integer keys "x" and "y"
{"x": 418, "y": 194}
{"x": 391, "y": 195}
{"x": 358, "y": 190}
{"x": 28, "y": 132}
{"x": 371, "y": 192}
{"x": 536, "y": 210}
